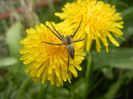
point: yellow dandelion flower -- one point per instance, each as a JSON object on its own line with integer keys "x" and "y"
{"x": 46, "y": 62}
{"x": 101, "y": 22}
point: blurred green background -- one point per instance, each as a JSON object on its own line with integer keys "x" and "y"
{"x": 104, "y": 76}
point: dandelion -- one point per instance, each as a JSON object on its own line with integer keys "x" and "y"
{"x": 101, "y": 22}
{"x": 49, "y": 62}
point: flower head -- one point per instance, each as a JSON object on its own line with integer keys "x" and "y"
{"x": 49, "y": 62}
{"x": 100, "y": 21}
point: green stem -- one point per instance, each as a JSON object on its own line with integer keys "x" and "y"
{"x": 23, "y": 88}
{"x": 89, "y": 67}
{"x": 88, "y": 74}
{"x": 43, "y": 91}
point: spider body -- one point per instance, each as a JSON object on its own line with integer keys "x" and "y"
{"x": 67, "y": 41}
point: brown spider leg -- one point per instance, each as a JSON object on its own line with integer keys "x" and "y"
{"x": 57, "y": 31}
{"x": 53, "y": 43}
{"x": 54, "y": 33}
{"x": 78, "y": 27}
{"x": 80, "y": 40}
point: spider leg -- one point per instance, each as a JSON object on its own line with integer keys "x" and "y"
{"x": 80, "y": 40}
{"x": 57, "y": 31}
{"x": 53, "y": 43}
{"x": 54, "y": 33}
{"x": 78, "y": 27}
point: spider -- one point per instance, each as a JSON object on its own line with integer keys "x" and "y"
{"x": 67, "y": 41}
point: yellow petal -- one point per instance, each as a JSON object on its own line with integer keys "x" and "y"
{"x": 113, "y": 40}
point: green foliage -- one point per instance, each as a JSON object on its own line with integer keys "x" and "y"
{"x": 13, "y": 37}
{"x": 119, "y": 58}
{"x": 128, "y": 13}
{"x": 8, "y": 61}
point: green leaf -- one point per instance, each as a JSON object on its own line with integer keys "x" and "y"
{"x": 108, "y": 72}
{"x": 8, "y": 61}
{"x": 3, "y": 84}
{"x": 113, "y": 89}
{"x": 118, "y": 58}
{"x": 13, "y": 37}
{"x": 61, "y": 93}
{"x": 128, "y": 13}
{"x": 79, "y": 89}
